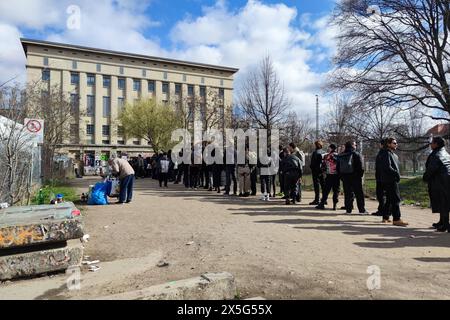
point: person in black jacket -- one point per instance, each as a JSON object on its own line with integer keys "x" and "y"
{"x": 350, "y": 169}
{"x": 292, "y": 170}
{"x": 317, "y": 174}
{"x": 380, "y": 191}
{"x": 437, "y": 175}
{"x": 389, "y": 178}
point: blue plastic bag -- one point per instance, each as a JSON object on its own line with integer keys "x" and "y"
{"x": 98, "y": 196}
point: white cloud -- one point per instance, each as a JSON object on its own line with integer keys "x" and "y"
{"x": 233, "y": 37}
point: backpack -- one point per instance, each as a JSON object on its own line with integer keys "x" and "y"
{"x": 346, "y": 164}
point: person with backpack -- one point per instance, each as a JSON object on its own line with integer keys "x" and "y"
{"x": 292, "y": 169}
{"x": 332, "y": 182}
{"x": 351, "y": 170}
{"x": 437, "y": 175}
{"x": 389, "y": 177}
{"x": 164, "y": 164}
{"x": 316, "y": 169}
{"x": 301, "y": 156}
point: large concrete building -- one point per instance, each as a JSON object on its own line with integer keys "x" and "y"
{"x": 100, "y": 82}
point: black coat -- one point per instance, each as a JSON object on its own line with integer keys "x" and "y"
{"x": 437, "y": 175}
{"x": 291, "y": 165}
{"x": 316, "y": 161}
{"x": 387, "y": 167}
{"x": 357, "y": 163}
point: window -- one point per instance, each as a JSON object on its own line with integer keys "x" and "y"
{"x": 136, "y": 85}
{"x": 165, "y": 75}
{"x": 202, "y": 80}
{"x": 90, "y": 129}
{"x": 177, "y": 89}
{"x": 202, "y": 112}
{"x": 121, "y": 71}
{"x": 120, "y": 142}
{"x": 221, "y": 82}
{"x": 106, "y": 81}
{"x": 190, "y": 91}
{"x": 184, "y": 78}
{"x": 137, "y": 143}
{"x": 144, "y": 73}
{"x": 99, "y": 67}
{"x": 106, "y": 107}
{"x": 221, "y": 93}
{"x": 120, "y": 131}
{"x": 74, "y": 103}
{"x": 121, "y": 83}
{"x": 165, "y": 87}
{"x": 105, "y": 130}
{"x": 45, "y": 75}
{"x": 91, "y": 79}
{"x": 120, "y": 103}
{"x": 202, "y": 92}
{"x": 75, "y": 78}
{"x": 105, "y": 142}
{"x": 45, "y": 61}
{"x": 151, "y": 86}
{"x": 90, "y": 103}
{"x": 74, "y": 65}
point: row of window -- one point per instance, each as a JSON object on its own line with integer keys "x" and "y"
{"x": 122, "y": 71}
{"x": 90, "y": 130}
{"x": 75, "y": 80}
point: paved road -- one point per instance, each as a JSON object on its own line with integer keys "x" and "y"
{"x": 274, "y": 251}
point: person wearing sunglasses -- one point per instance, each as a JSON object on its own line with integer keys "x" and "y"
{"x": 390, "y": 179}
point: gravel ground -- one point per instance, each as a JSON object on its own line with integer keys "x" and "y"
{"x": 274, "y": 251}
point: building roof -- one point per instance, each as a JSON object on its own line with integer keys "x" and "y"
{"x": 26, "y": 42}
{"x": 440, "y": 130}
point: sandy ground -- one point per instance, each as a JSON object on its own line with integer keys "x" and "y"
{"x": 274, "y": 251}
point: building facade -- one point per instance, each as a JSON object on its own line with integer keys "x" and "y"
{"x": 100, "y": 82}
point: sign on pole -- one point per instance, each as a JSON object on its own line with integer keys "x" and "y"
{"x": 35, "y": 127}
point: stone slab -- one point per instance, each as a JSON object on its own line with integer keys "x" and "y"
{"x": 209, "y": 286}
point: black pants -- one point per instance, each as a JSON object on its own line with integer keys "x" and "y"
{"x": 194, "y": 176}
{"x": 186, "y": 172}
{"x": 319, "y": 184}
{"x": 217, "y": 175}
{"x": 253, "y": 178}
{"x": 332, "y": 182}
{"x": 163, "y": 177}
{"x": 265, "y": 184}
{"x": 290, "y": 185}
{"x": 231, "y": 176}
{"x": 281, "y": 178}
{"x": 273, "y": 182}
{"x": 298, "y": 192}
{"x": 353, "y": 188}
{"x": 392, "y": 204}
{"x": 381, "y": 196}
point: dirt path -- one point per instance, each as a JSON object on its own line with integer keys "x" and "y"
{"x": 273, "y": 250}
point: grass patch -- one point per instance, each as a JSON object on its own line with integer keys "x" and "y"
{"x": 412, "y": 190}
{"x": 52, "y": 190}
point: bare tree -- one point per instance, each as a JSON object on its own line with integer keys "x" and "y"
{"x": 338, "y": 118}
{"x": 263, "y": 98}
{"x": 15, "y": 147}
{"x": 53, "y": 106}
{"x": 396, "y": 52}
{"x": 297, "y": 130}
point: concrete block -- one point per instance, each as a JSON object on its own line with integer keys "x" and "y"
{"x": 12, "y": 236}
{"x": 209, "y": 286}
{"x": 42, "y": 261}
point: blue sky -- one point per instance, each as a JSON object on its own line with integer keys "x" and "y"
{"x": 235, "y": 33}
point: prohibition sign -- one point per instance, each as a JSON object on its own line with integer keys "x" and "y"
{"x": 34, "y": 126}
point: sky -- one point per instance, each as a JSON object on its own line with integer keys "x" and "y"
{"x": 234, "y": 33}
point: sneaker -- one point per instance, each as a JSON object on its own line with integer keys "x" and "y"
{"x": 320, "y": 207}
{"x": 400, "y": 223}
{"x": 437, "y": 225}
{"x": 442, "y": 228}
{"x": 288, "y": 202}
{"x": 365, "y": 213}
{"x": 314, "y": 203}
{"x": 263, "y": 198}
{"x": 377, "y": 214}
